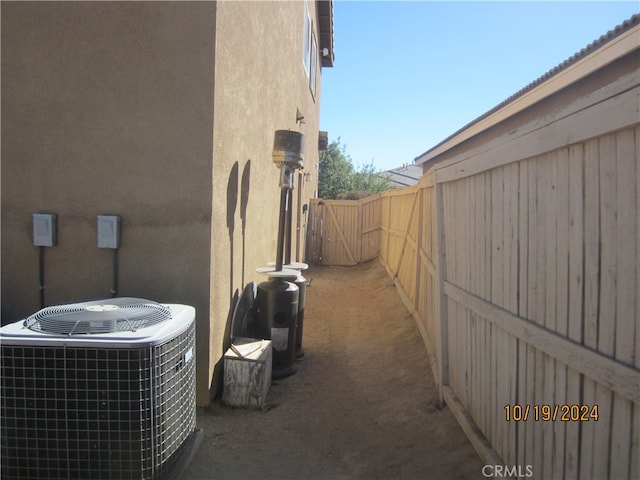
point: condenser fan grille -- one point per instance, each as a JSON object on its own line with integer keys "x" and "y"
{"x": 101, "y": 316}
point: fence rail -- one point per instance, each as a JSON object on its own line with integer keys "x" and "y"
{"x": 523, "y": 279}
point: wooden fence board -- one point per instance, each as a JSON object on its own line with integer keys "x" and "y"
{"x": 549, "y": 201}
{"x": 575, "y": 289}
{"x": 314, "y": 233}
{"x": 635, "y": 435}
{"x": 563, "y": 179}
{"x": 626, "y": 262}
{"x": 591, "y": 297}
{"x": 418, "y": 284}
{"x": 510, "y": 285}
{"x": 606, "y": 312}
{"x": 442, "y": 312}
{"x": 507, "y": 285}
{"x": 465, "y": 263}
{"x": 525, "y": 364}
{"x": 626, "y": 255}
{"x": 496, "y": 237}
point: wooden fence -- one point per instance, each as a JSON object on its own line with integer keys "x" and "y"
{"x": 343, "y": 232}
{"x": 523, "y": 279}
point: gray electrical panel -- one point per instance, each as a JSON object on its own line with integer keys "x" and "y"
{"x": 108, "y": 231}
{"x": 44, "y": 229}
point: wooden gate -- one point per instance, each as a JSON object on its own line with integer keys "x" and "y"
{"x": 343, "y": 232}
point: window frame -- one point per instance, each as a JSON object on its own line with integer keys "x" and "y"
{"x": 314, "y": 64}
{"x": 307, "y": 31}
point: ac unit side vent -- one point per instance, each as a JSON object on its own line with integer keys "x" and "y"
{"x": 103, "y": 316}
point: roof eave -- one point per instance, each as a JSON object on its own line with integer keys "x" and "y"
{"x": 325, "y": 29}
{"x": 608, "y": 48}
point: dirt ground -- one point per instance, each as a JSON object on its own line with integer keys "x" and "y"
{"x": 362, "y": 405}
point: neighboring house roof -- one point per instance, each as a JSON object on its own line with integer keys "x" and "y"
{"x": 403, "y": 176}
{"x": 325, "y": 24}
{"x": 627, "y": 42}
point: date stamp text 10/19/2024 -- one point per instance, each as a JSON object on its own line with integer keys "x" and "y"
{"x": 551, "y": 413}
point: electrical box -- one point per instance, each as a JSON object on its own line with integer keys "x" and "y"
{"x": 44, "y": 229}
{"x": 108, "y": 231}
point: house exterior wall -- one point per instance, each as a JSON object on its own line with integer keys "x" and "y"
{"x": 110, "y": 108}
{"x": 107, "y": 108}
{"x": 253, "y": 99}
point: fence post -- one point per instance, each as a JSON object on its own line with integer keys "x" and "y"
{"x": 358, "y": 253}
{"x": 388, "y": 220}
{"x": 419, "y": 240}
{"x": 442, "y": 342}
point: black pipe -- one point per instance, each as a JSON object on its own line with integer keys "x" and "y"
{"x": 281, "y": 227}
{"x": 114, "y": 289}
{"x": 41, "y": 275}
{"x": 289, "y": 220}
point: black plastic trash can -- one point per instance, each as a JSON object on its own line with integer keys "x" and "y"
{"x": 276, "y": 319}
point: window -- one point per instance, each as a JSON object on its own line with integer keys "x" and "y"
{"x": 306, "y": 40}
{"x": 314, "y": 64}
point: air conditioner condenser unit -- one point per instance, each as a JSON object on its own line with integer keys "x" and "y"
{"x": 102, "y": 389}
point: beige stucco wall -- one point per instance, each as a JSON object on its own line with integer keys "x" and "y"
{"x": 260, "y": 84}
{"x": 110, "y": 108}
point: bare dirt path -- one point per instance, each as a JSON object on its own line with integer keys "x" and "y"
{"x": 362, "y": 405}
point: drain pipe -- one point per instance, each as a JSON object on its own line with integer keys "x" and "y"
{"x": 41, "y": 275}
{"x": 114, "y": 289}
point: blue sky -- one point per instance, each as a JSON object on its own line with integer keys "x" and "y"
{"x": 409, "y": 74}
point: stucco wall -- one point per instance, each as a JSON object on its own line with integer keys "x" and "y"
{"x": 260, "y": 84}
{"x": 108, "y": 108}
